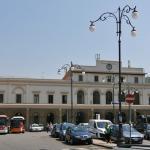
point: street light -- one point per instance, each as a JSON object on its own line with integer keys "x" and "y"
{"x": 68, "y": 68}
{"x": 121, "y": 14}
{"x": 114, "y": 83}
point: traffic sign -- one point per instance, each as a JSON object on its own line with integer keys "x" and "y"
{"x": 129, "y": 98}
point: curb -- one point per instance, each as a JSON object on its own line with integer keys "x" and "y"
{"x": 104, "y": 144}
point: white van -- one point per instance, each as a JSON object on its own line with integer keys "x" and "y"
{"x": 97, "y": 127}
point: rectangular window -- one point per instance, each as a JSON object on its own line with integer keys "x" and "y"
{"x": 1, "y": 98}
{"x": 36, "y": 98}
{"x": 108, "y": 78}
{"x": 18, "y": 98}
{"x": 96, "y": 78}
{"x": 50, "y": 99}
{"x": 136, "y": 80}
{"x": 80, "y": 78}
{"x": 64, "y": 99}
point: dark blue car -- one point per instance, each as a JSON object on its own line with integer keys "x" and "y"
{"x": 63, "y": 128}
{"x": 78, "y": 134}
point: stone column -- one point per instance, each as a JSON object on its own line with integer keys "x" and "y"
{"x": 60, "y": 115}
{"x": 134, "y": 115}
{"x": 92, "y": 111}
{"x": 27, "y": 118}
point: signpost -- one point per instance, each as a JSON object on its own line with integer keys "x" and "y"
{"x": 129, "y": 99}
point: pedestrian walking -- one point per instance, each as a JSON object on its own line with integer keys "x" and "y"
{"x": 50, "y": 127}
{"x": 47, "y": 127}
{"x": 107, "y": 133}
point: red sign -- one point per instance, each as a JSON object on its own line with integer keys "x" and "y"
{"x": 129, "y": 98}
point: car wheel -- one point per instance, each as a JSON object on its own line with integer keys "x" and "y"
{"x": 90, "y": 141}
{"x": 141, "y": 142}
{"x": 71, "y": 141}
{"x": 66, "y": 140}
{"x": 127, "y": 141}
{"x": 146, "y": 137}
{"x": 61, "y": 138}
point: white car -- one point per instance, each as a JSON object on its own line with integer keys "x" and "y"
{"x": 97, "y": 127}
{"x": 35, "y": 127}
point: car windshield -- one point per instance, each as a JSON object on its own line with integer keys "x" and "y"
{"x": 41, "y": 125}
{"x": 35, "y": 125}
{"x": 79, "y": 129}
{"x": 66, "y": 126}
{"x": 148, "y": 127}
{"x": 127, "y": 128}
{"x": 102, "y": 124}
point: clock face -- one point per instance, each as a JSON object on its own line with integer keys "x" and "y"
{"x": 109, "y": 66}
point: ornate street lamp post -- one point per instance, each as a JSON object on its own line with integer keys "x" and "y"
{"x": 121, "y": 14}
{"x": 68, "y": 68}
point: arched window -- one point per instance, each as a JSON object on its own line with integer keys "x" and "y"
{"x": 108, "y": 97}
{"x": 122, "y": 97}
{"x": 137, "y": 98}
{"x": 80, "y": 97}
{"x": 96, "y": 97}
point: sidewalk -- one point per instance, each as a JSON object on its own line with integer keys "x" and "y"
{"x": 104, "y": 144}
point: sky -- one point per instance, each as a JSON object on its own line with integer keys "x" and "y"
{"x": 37, "y": 37}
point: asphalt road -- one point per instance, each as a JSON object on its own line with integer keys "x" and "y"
{"x": 38, "y": 141}
{"x": 42, "y": 141}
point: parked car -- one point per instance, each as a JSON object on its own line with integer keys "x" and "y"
{"x": 78, "y": 134}
{"x": 136, "y": 136}
{"x": 141, "y": 126}
{"x": 147, "y": 132}
{"x": 97, "y": 127}
{"x": 36, "y": 127}
{"x": 55, "y": 131}
{"x": 83, "y": 124}
{"x": 63, "y": 128}
{"x": 42, "y": 127}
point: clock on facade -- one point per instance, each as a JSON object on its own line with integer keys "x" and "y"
{"x": 109, "y": 66}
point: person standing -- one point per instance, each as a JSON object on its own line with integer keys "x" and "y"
{"x": 107, "y": 133}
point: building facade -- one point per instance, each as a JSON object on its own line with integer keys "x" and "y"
{"x": 95, "y": 92}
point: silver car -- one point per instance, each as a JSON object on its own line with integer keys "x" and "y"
{"x": 35, "y": 127}
{"x": 128, "y": 134}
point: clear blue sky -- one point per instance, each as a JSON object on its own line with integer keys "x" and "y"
{"x": 39, "y": 36}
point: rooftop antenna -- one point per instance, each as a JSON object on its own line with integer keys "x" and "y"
{"x": 97, "y": 56}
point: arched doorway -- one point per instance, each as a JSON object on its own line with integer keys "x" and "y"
{"x": 108, "y": 97}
